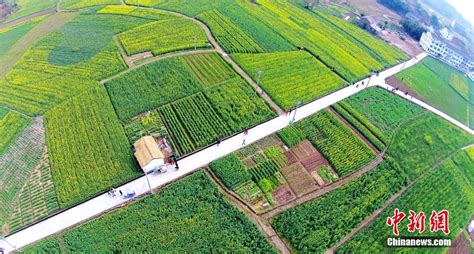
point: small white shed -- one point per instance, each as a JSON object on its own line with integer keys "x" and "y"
{"x": 148, "y": 154}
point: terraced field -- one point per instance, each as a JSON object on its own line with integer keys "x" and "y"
{"x": 28, "y": 7}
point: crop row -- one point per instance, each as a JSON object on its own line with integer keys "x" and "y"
{"x": 63, "y": 64}
{"x": 453, "y": 192}
{"x": 169, "y": 35}
{"x": 318, "y": 224}
{"x": 210, "y": 69}
{"x": 190, "y": 215}
{"x": 263, "y": 170}
{"x": 231, "y": 171}
{"x": 193, "y": 123}
{"x": 344, "y": 150}
{"x": 228, "y": 35}
{"x": 150, "y": 87}
{"x": 289, "y": 77}
{"x": 359, "y": 126}
{"x": 86, "y": 141}
{"x": 11, "y": 125}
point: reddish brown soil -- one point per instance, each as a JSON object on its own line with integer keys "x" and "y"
{"x": 397, "y": 83}
{"x": 304, "y": 149}
{"x": 460, "y": 246}
{"x": 283, "y": 195}
{"x": 299, "y": 179}
{"x": 314, "y": 161}
{"x": 290, "y": 157}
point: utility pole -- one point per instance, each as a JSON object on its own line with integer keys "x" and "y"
{"x": 298, "y": 103}
{"x": 148, "y": 181}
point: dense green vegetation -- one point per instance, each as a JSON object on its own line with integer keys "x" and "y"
{"x": 209, "y": 69}
{"x": 380, "y": 111}
{"x": 231, "y": 171}
{"x": 453, "y": 192}
{"x": 318, "y": 224}
{"x": 426, "y": 140}
{"x": 344, "y": 150}
{"x": 193, "y": 123}
{"x": 171, "y": 35}
{"x": 11, "y": 125}
{"x": 88, "y": 149}
{"x": 151, "y": 86}
{"x": 9, "y": 36}
{"x": 441, "y": 86}
{"x": 290, "y": 76}
{"x": 238, "y": 105}
{"x": 229, "y": 36}
{"x": 188, "y": 216}
{"x": 62, "y": 64}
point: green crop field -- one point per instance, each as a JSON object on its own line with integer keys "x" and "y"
{"x": 349, "y": 50}
{"x": 88, "y": 149}
{"x": 28, "y": 7}
{"x": 78, "y": 4}
{"x": 193, "y": 123}
{"x": 151, "y": 86}
{"x": 453, "y": 192}
{"x": 441, "y": 86}
{"x": 290, "y": 76}
{"x": 209, "y": 69}
{"x": 17, "y": 164}
{"x": 174, "y": 35}
{"x": 190, "y": 215}
{"x": 227, "y": 105}
{"x": 344, "y": 150}
{"x": 228, "y": 35}
{"x": 316, "y": 225}
{"x": 9, "y": 36}
{"x": 238, "y": 105}
{"x": 62, "y": 64}
{"x": 36, "y": 200}
{"x": 380, "y": 111}
{"x": 231, "y": 171}
{"x": 11, "y": 125}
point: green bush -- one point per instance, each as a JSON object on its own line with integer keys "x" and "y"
{"x": 231, "y": 171}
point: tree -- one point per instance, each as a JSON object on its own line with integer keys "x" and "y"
{"x": 412, "y": 28}
{"x": 435, "y": 22}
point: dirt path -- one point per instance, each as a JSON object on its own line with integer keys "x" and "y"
{"x": 227, "y": 58}
{"x": 51, "y": 23}
{"x": 392, "y": 199}
{"x": 133, "y": 66}
{"x": 31, "y": 16}
{"x": 261, "y": 224}
{"x": 125, "y": 57}
{"x": 319, "y": 192}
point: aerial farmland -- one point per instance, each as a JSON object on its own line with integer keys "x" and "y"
{"x": 231, "y": 126}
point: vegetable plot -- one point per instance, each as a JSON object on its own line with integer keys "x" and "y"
{"x": 231, "y": 171}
